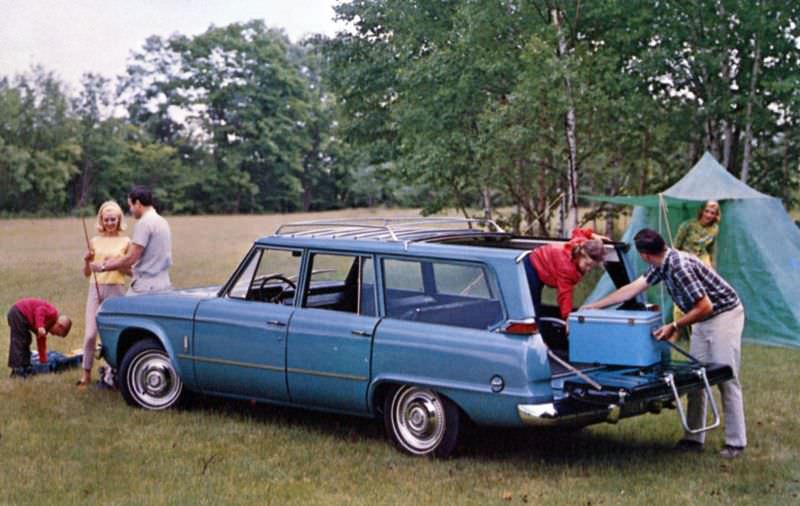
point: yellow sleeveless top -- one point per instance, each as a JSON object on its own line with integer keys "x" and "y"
{"x": 106, "y": 248}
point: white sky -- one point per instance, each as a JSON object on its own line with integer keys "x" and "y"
{"x": 71, "y": 37}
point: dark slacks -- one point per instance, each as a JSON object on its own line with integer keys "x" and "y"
{"x": 535, "y": 285}
{"x": 19, "y": 351}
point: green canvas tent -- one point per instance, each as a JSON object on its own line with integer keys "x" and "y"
{"x": 758, "y": 248}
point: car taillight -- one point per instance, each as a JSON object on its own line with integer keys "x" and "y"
{"x": 521, "y": 327}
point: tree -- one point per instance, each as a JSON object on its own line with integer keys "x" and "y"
{"x": 250, "y": 102}
{"x": 37, "y": 145}
{"x": 723, "y": 60}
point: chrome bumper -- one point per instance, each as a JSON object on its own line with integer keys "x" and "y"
{"x": 547, "y": 415}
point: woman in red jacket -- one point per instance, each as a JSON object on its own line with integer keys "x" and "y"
{"x": 562, "y": 267}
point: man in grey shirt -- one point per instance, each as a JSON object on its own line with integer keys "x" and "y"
{"x": 150, "y": 254}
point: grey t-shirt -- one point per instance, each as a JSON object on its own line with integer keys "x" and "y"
{"x": 153, "y": 234}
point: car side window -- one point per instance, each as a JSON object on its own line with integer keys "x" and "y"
{"x": 403, "y": 275}
{"x": 456, "y": 279}
{"x": 441, "y": 292}
{"x": 269, "y": 276}
{"x": 341, "y": 283}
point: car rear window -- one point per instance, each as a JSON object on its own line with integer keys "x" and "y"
{"x": 440, "y": 292}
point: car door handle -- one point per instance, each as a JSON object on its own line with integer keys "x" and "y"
{"x": 276, "y": 323}
{"x": 362, "y": 333}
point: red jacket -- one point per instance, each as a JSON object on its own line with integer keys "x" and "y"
{"x": 40, "y": 314}
{"x": 556, "y": 268}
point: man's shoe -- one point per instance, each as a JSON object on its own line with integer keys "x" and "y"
{"x": 731, "y": 452}
{"x": 21, "y": 372}
{"x": 687, "y": 445}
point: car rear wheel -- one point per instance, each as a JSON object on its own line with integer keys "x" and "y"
{"x": 147, "y": 378}
{"x": 421, "y": 422}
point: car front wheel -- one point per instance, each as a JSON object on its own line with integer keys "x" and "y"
{"x": 421, "y": 422}
{"x": 147, "y": 378}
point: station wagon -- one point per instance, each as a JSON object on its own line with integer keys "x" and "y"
{"x": 423, "y": 323}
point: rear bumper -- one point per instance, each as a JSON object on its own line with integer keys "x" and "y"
{"x": 551, "y": 415}
{"x": 625, "y": 392}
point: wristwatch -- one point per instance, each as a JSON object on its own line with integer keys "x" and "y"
{"x": 675, "y": 325}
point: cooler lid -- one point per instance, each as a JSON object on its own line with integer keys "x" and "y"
{"x": 614, "y": 315}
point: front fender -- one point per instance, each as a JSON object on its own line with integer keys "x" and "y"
{"x": 119, "y": 333}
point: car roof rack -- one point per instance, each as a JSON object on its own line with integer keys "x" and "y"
{"x": 386, "y": 229}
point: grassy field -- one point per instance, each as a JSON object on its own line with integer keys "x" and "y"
{"x": 64, "y": 446}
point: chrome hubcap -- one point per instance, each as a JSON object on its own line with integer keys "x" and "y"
{"x": 153, "y": 381}
{"x": 418, "y": 419}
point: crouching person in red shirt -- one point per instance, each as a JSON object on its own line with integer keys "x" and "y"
{"x": 562, "y": 267}
{"x": 35, "y": 316}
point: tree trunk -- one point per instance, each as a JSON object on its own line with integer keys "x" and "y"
{"x": 542, "y": 209}
{"x": 712, "y": 139}
{"x": 735, "y": 141}
{"x": 86, "y": 183}
{"x": 748, "y": 129}
{"x": 727, "y": 144}
{"x": 486, "y": 196}
{"x": 646, "y": 164}
{"x": 570, "y": 210}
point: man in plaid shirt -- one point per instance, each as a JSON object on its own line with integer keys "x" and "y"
{"x": 716, "y": 314}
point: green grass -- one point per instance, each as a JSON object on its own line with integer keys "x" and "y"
{"x": 64, "y": 446}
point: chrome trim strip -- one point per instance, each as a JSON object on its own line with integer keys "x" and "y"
{"x": 220, "y": 361}
{"x": 231, "y": 362}
{"x": 522, "y": 256}
{"x": 327, "y": 374}
{"x": 648, "y": 317}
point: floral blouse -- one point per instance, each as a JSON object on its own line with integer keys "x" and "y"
{"x": 696, "y": 239}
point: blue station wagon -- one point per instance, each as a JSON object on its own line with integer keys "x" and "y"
{"x": 426, "y": 323}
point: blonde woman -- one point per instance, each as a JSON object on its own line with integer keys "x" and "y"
{"x": 110, "y": 243}
{"x": 699, "y": 237}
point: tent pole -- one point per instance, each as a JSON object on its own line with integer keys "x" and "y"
{"x": 662, "y": 211}
{"x": 662, "y": 204}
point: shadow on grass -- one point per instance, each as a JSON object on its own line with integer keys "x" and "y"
{"x": 337, "y": 425}
{"x": 556, "y": 447}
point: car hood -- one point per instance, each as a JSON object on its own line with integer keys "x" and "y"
{"x": 170, "y": 304}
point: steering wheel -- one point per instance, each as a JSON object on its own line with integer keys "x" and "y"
{"x": 283, "y": 279}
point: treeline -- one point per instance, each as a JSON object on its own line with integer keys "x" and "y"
{"x": 503, "y": 104}
{"x": 531, "y": 103}
{"x": 236, "y": 120}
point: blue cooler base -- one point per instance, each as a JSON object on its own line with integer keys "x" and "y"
{"x": 616, "y": 337}
{"x": 56, "y": 361}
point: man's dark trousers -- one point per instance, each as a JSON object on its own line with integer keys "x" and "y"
{"x": 19, "y": 350}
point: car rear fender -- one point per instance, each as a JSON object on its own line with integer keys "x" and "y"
{"x": 479, "y": 405}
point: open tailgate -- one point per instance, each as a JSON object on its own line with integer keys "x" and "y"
{"x": 637, "y": 390}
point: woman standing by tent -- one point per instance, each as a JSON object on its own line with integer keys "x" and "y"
{"x": 699, "y": 237}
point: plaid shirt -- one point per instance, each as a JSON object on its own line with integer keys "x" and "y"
{"x": 688, "y": 280}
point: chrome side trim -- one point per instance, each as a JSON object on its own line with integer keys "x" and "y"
{"x": 547, "y": 415}
{"x": 235, "y": 363}
{"x": 328, "y": 374}
{"x": 231, "y": 362}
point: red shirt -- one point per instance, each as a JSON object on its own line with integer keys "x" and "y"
{"x": 40, "y": 314}
{"x": 556, "y": 268}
